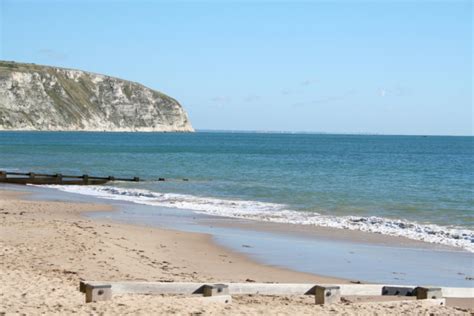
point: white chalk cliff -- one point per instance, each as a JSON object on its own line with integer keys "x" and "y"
{"x": 34, "y": 97}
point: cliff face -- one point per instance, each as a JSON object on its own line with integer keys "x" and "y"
{"x": 34, "y": 97}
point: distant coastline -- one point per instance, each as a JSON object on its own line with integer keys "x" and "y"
{"x": 199, "y": 130}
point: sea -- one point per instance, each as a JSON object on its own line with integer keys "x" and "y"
{"x": 419, "y": 187}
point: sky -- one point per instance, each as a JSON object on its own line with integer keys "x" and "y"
{"x": 378, "y": 67}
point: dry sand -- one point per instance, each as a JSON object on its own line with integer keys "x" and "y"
{"x": 48, "y": 247}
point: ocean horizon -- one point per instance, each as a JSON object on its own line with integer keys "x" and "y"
{"x": 322, "y": 133}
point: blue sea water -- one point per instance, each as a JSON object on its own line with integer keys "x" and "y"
{"x": 414, "y": 186}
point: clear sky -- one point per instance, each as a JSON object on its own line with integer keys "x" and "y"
{"x": 388, "y": 67}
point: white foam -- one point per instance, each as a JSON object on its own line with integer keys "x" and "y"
{"x": 278, "y": 213}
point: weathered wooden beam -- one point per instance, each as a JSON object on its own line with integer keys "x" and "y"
{"x": 460, "y": 292}
{"x": 189, "y": 288}
{"x": 58, "y": 178}
{"x": 398, "y": 290}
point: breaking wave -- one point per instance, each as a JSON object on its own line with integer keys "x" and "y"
{"x": 279, "y": 213}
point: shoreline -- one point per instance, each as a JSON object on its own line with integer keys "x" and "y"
{"x": 402, "y": 231}
{"x": 339, "y": 234}
{"x": 355, "y": 256}
{"x": 49, "y": 246}
{"x": 347, "y": 254}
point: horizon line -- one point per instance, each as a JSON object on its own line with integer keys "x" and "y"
{"x": 320, "y": 133}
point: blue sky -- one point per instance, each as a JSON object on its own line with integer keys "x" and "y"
{"x": 388, "y": 67}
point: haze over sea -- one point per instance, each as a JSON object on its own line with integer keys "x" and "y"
{"x": 414, "y": 186}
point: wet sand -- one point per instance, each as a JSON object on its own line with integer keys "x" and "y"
{"x": 48, "y": 247}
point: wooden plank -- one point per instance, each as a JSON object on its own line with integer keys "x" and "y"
{"x": 460, "y": 292}
{"x": 188, "y": 288}
{"x": 398, "y": 290}
{"x": 272, "y": 288}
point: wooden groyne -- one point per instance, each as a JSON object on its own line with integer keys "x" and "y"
{"x": 58, "y": 178}
{"x": 223, "y": 292}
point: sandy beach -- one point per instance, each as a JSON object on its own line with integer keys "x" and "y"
{"x": 48, "y": 247}
{"x": 236, "y": 158}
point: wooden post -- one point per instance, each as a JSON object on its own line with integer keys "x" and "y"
{"x": 98, "y": 292}
{"x": 327, "y": 294}
{"x": 3, "y": 175}
{"x": 423, "y": 293}
{"x": 215, "y": 289}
